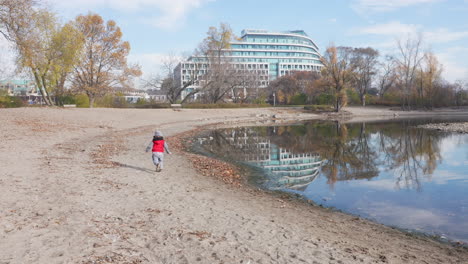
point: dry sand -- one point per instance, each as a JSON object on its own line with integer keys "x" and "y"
{"x": 77, "y": 187}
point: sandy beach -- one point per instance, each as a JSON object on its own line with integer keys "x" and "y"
{"x": 76, "y": 186}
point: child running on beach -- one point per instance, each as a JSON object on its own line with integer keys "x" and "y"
{"x": 158, "y": 145}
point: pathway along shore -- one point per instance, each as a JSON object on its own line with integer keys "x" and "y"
{"x": 77, "y": 187}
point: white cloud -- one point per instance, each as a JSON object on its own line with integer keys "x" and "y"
{"x": 443, "y": 35}
{"x": 366, "y": 6}
{"x": 394, "y": 28}
{"x": 172, "y": 13}
{"x": 451, "y": 59}
{"x": 398, "y": 29}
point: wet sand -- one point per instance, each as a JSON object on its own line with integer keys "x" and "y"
{"x": 77, "y": 187}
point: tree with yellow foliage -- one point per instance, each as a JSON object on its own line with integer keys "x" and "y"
{"x": 338, "y": 73}
{"x": 103, "y": 60}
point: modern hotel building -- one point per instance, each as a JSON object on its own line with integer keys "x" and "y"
{"x": 268, "y": 54}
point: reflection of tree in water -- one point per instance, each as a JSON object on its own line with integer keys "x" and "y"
{"x": 346, "y": 152}
{"x": 357, "y": 151}
{"x": 349, "y": 151}
{"x": 410, "y": 152}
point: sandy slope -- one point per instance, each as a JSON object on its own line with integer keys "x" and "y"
{"x": 77, "y": 187}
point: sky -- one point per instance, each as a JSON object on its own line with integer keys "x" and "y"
{"x": 156, "y": 28}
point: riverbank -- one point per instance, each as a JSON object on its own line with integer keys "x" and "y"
{"x": 77, "y": 187}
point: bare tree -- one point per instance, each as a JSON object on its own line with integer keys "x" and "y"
{"x": 220, "y": 77}
{"x": 408, "y": 61}
{"x": 386, "y": 75}
{"x": 175, "y": 89}
{"x": 364, "y": 62}
{"x": 248, "y": 86}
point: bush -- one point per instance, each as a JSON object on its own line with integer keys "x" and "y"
{"x": 153, "y": 105}
{"x": 262, "y": 100}
{"x": 119, "y": 102}
{"x": 82, "y": 100}
{"x": 298, "y": 99}
{"x": 106, "y": 101}
{"x": 319, "y": 108}
{"x": 324, "y": 99}
{"x": 68, "y": 99}
{"x": 389, "y": 99}
{"x": 141, "y": 101}
{"x": 10, "y": 102}
{"x": 353, "y": 97}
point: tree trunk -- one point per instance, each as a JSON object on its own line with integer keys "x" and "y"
{"x": 51, "y": 102}
{"x": 41, "y": 88}
{"x": 91, "y": 101}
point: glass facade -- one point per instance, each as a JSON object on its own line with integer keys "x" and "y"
{"x": 270, "y": 54}
{"x": 286, "y": 51}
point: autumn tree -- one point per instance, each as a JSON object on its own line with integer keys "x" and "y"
{"x": 35, "y": 49}
{"x": 338, "y": 73}
{"x": 300, "y": 84}
{"x": 428, "y": 77}
{"x": 30, "y": 30}
{"x": 364, "y": 62}
{"x": 283, "y": 88}
{"x": 310, "y": 85}
{"x": 14, "y": 14}
{"x": 103, "y": 60}
{"x": 67, "y": 44}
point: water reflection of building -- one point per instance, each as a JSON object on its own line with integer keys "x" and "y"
{"x": 283, "y": 167}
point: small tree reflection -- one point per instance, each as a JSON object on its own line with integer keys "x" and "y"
{"x": 410, "y": 153}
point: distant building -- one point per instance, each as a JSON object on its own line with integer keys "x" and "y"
{"x": 19, "y": 87}
{"x": 269, "y": 54}
{"x": 157, "y": 95}
{"x": 132, "y": 95}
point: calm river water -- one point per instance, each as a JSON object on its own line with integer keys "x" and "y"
{"x": 390, "y": 172}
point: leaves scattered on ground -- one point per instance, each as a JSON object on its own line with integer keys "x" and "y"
{"x": 112, "y": 257}
{"x": 206, "y": 166}
{"x": 103, "y": 153}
